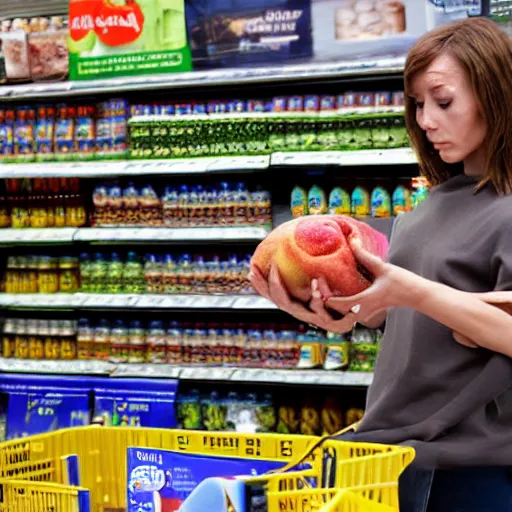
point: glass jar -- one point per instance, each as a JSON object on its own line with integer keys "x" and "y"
{"x": 68, "y": 275}
{"x": 48, "y": 276}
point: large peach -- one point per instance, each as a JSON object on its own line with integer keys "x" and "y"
{"x": 319, "y": 246}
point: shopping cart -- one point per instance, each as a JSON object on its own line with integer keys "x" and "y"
{"x": 341, "y": 476}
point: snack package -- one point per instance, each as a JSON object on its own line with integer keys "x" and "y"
{"x": 48, "y": 50}
{"x": 170, "y": 481}
{"x": 13, "y": 36}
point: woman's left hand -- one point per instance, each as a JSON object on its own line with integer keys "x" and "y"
{"x": 392, "y": 286}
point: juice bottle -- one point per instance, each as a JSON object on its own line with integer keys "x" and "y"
{"x": 242, "y": 200}
{"x": 170, "y": 207}
{"x": 133, "y": 281}
{"x": 299, "y": 202}
{"x": 156, "y": 343}
{"x": 85, "y": 340}
{"x": 182, "y": 218}
{"x": 115, "y": 269}
{"x": 360, "y": 202}
{"x": 98, "y": 277}
{"x": 380, "y": 203}
{"x": 401, "y": 200}
{"x": 212, "y": 206}
{"x": 317, "y": 202}
{"x": 119, "y": 343}
{"x": 339, "y": 202}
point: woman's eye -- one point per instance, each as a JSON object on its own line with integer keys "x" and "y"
{"x": 444, "y": 104}
{"x": 419, "y": 105}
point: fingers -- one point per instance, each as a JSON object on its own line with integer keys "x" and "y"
{"x": 371, "y": 262}
{"x": 323, "y": 287}
{"x": 258, "y": 282}
{"x": 463, "y": 340}
{"x": 345, "y": 304}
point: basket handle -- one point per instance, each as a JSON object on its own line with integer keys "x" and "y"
{"x": 310, "y": 450}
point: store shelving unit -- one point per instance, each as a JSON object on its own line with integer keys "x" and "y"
{"x": 333, "y": 76}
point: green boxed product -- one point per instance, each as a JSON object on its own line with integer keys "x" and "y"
{"x": 110, "y": 38}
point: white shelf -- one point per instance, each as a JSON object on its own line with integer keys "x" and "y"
{"x": 214, "y": 373}
{"x": 98, "y": 169}
{"x": 146, "y": 234}
{"x": 56, "y": 367}
{"x": 121, "y": 301}
{"x": 35, "y": 236}
{"x": 11, "y": 236}
{"x": 264, "y": 74}
{"x": 398, "y": 156}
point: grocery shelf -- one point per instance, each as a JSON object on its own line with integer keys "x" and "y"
{"x": 398, "y": 156}
{"x": 10, "y": 236}
{"x": 229, "y": 76}
{"x": 35, "y": 235}
{"x": 146, "y": 234}
{"x": 211, "y": 373}
{"x": 103, "y": 169}
{"x": 100, "y": 169}
{"x": 55, "y": 367}
{"x": 127, "y": 301}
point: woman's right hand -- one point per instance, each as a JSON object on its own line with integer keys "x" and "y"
{"x": 314, "y": 313}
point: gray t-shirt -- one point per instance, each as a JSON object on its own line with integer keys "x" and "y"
{"x": 453, "y": 404}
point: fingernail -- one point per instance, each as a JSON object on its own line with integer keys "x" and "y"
{"x": 314, "y": 284}
{"x": 355, "y": 309}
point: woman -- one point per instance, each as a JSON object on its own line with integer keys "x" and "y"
{"x": 443, "y": 379}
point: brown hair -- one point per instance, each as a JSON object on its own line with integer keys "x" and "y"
{"x": 484, "y": 51}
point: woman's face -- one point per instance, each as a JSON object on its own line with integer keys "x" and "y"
{"x": 447, "y": 110}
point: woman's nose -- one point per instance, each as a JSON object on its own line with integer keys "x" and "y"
{"x": 426, "y": 119}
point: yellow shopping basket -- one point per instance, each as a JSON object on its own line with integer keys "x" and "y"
{"x": 26, "y": 496}
{"x": 343, "y": 476}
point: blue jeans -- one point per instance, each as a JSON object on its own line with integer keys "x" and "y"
{"x": 485, "y": 489}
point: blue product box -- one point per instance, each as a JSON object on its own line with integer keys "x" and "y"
{"x": 237, "y": 33}
{"x": 167, "y": 481}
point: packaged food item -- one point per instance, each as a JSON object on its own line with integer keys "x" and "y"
{"x": 115, "y": 270}
{"x": 49, "y": 330}
{"x": 339, "y": 202}
{"x": 119, "y": 343}
{"x": 419, "y": 191}
{"x": 69, "y": 274}
{"x": 170, "y": 207}
{"x": 288, "y": 420}
{"x": 310, "y": 423}
{"x": 67, "y": 332}
{"x": 299, "y": 202}
{"x": 317, "y": 202}
{"x": 48, "y": 274}
{"x": 214, "y": 412}
{"x": 15, "y": 49}
{"x": 85, "y": 340}
{"x": 100, "y": 201}
{"x": 133, "y": 275}
{"x": 9, "y": 338}
{"x": 101, "y": 343}
{"x": 360, "y": 202}
{"x": 24, "y": 134}
{"x": 338, "y": 352}
{"x": 188, "y": 411}
{"x": 115, "y": 212}
{"x": 364, "y": 349}
{"x": 380, "y": 203}
{"x": 353, "y": 415}
{"x": 156, "y": 343}
{"x": 85, "y": 132}
{"x": 331, "y": 416}
{"x": 48, "y": 50}
{"x": 112, "y": 128}
{"x": 401, "y": 200}
{"x": 150, "y": 207}
{"x": 44, "y": 133}
{"x": 7, "y": 120}
{"x": 98, "y": 274}
{"x": 174, "y": 343}
{"x": 137, "y": 343}
{"x": 21, "y": 339}
{"x": 64, "y": 145}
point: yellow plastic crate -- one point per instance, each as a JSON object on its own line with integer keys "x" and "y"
{"x": 102, "y": 455}
{"x": 26, "y": 496}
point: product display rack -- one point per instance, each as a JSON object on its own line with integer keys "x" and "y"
{"x": 308, "y": 167}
